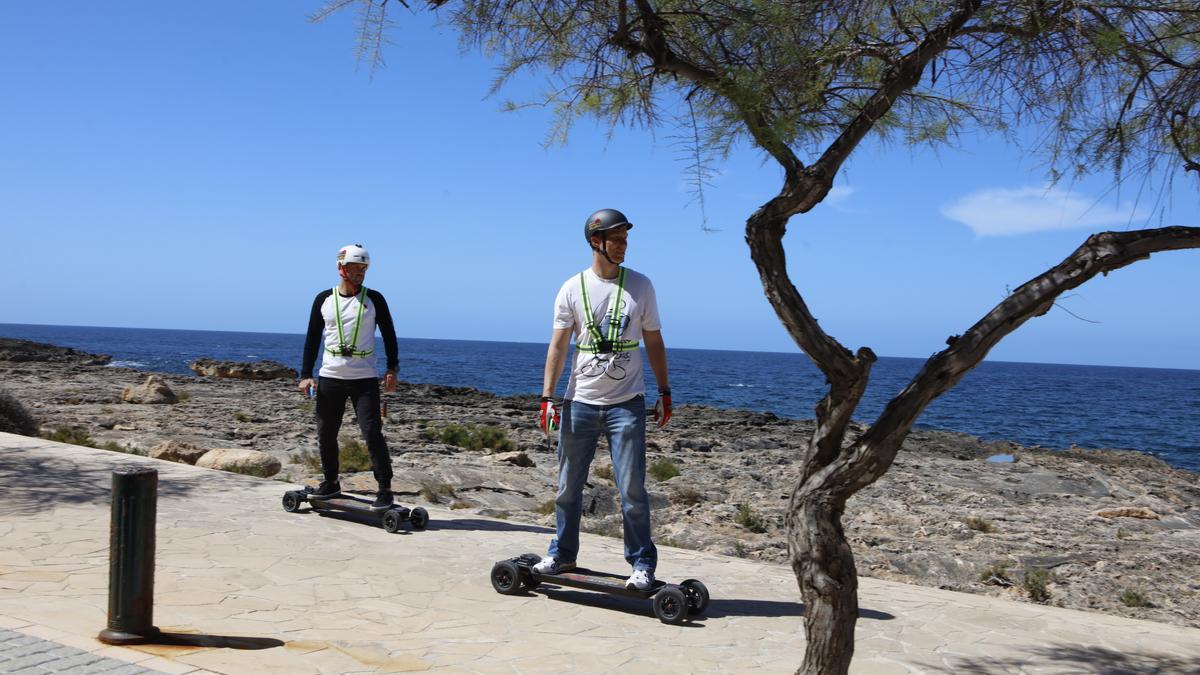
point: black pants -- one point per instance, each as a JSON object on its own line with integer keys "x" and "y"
{"x": 331, "y": 405}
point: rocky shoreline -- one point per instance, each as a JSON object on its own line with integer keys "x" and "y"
{"x": 1108, "y": 531}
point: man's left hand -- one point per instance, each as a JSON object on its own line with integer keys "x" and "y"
{"x": 389, "y": 382}
{"x": 662, "y": 409}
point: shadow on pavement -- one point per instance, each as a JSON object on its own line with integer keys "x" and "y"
{"x": 32, "y": 482}
{"x": 219, "y": 641}
{"x": 718, "y": 608}
{"x": 1082, "y": 659}
{"x": 486, "y": 526}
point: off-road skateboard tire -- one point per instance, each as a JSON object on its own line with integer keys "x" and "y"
{"x": 392, "y": 520}
{"x": 671, "y": 605}
{"x": 506, "y": 578}
{"x": 291, "y": 501}
{"x": 697, "y": 596}
{"x": 418, "y": 517}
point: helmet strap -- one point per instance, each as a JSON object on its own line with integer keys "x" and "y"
{"x": 603, "y": 248}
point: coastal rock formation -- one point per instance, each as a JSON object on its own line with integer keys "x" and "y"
{"x": 154, "y": 390}
{"x": 240, "y": 460}
{"x": 1127, "y": 512}
{"x": 943, "y": 516}
{"x": 16, "y": 351}
{"x": 178, "y": 451}
{"x": 256, "y": 370}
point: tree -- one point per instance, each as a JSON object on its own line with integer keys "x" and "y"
{"x": 806, "y": 81}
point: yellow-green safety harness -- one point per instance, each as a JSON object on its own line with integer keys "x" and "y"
{"x": 597, "y": 343}
{"x": 337, "y": 308}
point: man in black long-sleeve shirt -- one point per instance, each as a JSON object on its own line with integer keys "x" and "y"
{"x": 342, "y": 323}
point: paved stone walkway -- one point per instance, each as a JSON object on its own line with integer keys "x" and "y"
{"x": 243, "y": 587}
{"x": 23, "y": 654}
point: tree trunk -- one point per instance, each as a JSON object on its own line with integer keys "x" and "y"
{"x": 824, "y": 567}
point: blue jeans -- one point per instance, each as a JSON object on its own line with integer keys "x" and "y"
{"x": 624, "y": 424}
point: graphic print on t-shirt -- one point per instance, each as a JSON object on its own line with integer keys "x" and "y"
{"x": 615, "y": 365}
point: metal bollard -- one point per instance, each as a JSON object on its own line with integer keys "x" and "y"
{"x": 131, "y": 557}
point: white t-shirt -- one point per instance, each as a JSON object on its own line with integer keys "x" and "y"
{"x": 334, "y": 365}
{"x": 606, "y": 379}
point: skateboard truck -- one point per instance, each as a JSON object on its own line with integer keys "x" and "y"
{"x": 391, "y": 518}
{"x": 673, "y": 603}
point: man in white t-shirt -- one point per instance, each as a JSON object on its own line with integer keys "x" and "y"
{"x": 611, "y": 309}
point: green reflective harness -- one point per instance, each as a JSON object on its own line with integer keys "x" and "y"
{"x": 597, "y": 343}
{"x": 343, "y": 349}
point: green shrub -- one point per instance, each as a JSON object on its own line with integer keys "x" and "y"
{"x": 183, "y": 396}
{"x": 72, "y": 435}
{"x": 433, "y": 491}
{"x": 353, "y": 456}
{"x": 604, "y": 471}
{"x": 750, "y": 520}
{"x": 739, "y": 549}
{"x": 459, "y": 504}
{"x": 663, "y": 469}
{"x": 1035, "y": 584}
{"x": 687, "y": 496}
{"x": 996, "y": 574}
{"x": 14, "y": 418}
{"x": 546, "y": 508}
{"x": 1132, "y": 598}
{"x": 980, "y": 524}
{"x": 470, "y": 437}
{"x": 241, "y": 416}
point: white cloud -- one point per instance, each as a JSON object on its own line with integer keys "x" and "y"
{"x": 999, "y": 211}
{"x": 838, "y": 193}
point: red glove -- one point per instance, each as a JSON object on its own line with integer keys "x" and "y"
{"x": 662, "y": 408}
{"x": 548, "y": 419}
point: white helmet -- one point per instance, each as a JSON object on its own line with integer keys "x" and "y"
{"x": 354, "y": 253}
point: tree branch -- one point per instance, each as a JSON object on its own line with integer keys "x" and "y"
{"x": 1100, "y": 254}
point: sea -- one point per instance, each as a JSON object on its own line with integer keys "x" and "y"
{"x": 1150, "y": 410}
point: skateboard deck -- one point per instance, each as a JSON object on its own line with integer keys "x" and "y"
{"x": 391, "y": 517}
{"x": 673, "y": 603}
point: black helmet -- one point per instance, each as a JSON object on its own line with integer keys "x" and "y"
{"x": 604, "y": 220}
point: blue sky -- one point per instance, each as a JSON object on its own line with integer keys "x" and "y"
{"x": 197, "y": 165}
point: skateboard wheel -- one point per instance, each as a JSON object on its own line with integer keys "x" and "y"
{"x": 291, "y": 501}
{"x": 671, "y": 605}
{"x": 506, "y": 578}
{"x": 697, "y": 596}
{"x": 419, "y": 518}
{"x": 392, "y": 520}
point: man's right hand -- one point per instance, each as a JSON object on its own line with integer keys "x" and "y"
{"x": 548, "y": 419}
{"x": 306, "y": 385}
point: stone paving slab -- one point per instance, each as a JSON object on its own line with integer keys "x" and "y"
{"x": 244, "y": 587}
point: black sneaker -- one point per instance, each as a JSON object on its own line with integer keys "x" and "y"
{"x": 326, "y": 490}
{"x": 383, "y": 501}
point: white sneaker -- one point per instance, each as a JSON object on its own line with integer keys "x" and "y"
{"x": 640, "y": 580}
{"x": 550, "y": 565}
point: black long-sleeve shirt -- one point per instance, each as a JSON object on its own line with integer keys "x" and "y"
{"x": 323, "y": 335}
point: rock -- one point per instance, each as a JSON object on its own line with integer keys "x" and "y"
{"x": 177, "y": 451}
{"x": 518, "y": 458}
{"x": 257, "y": 370}
{"x": 240, "y": 460}
{"x": 26, "y": 350}
{"x": 155, "y": 390}
{"x": 1127, "y": 512}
